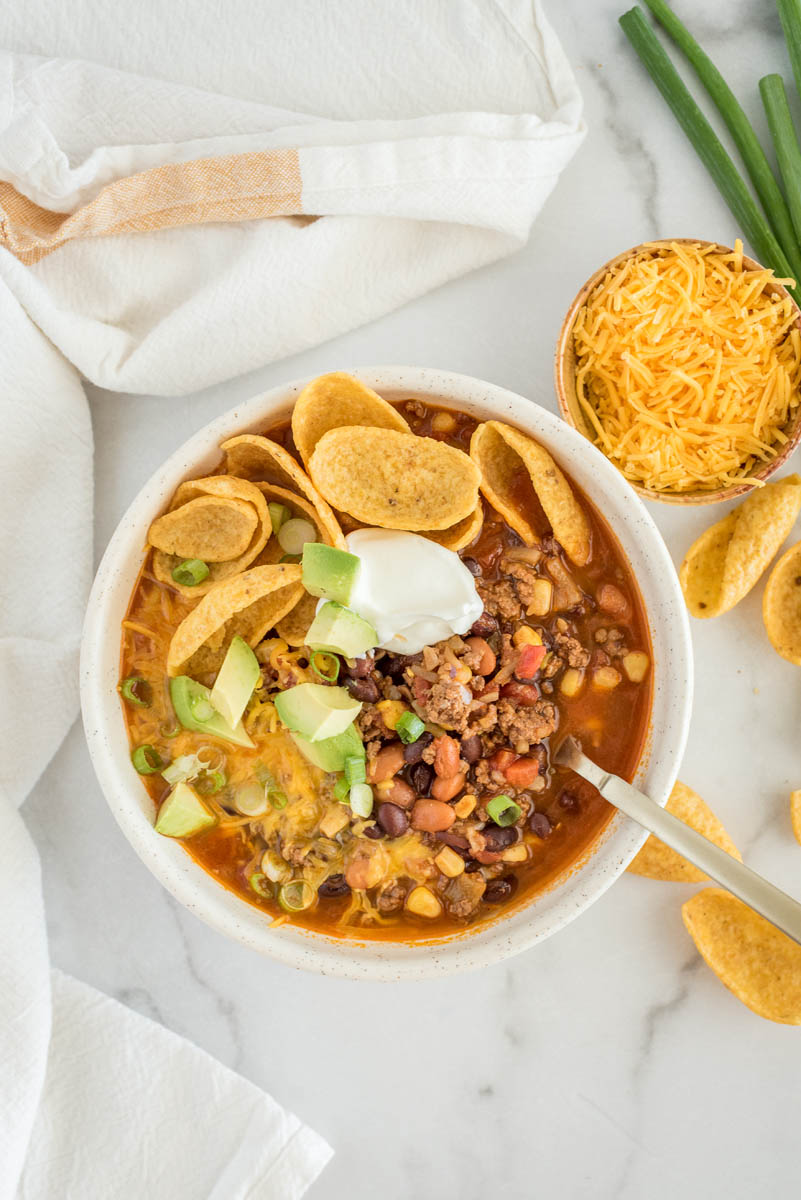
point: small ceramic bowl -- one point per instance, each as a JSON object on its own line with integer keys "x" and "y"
{"x": 548, "y": 912}
{"x": 565, "y": 373}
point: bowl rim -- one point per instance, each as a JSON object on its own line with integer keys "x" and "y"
{"x": 579, "y": 886}
{"x": 563, "y": 376}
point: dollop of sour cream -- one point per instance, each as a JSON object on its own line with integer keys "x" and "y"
{"x": 413, "y": 591}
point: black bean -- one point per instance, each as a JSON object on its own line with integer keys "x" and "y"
{"x": 471, "y": 748}
{"x": 485, "y": 624}
{"x": 334, "y": 885}
{"x": 472, "y": 565}
{"x": 498, "y": 890}
{"x": 471, "y": 866}
{"x": 569, "y": 802}
{"x": 414, "y": 751}
{"x": 374, "y": 831}
{"x": 513, "y": 539}
{"x": 454, "y": 840}
{"x": 421, "y": 776}
{"x": 361, "y": 667}
{"x": 395, "y": 664}
{"x": 498, "y": 838}
{"x": 392, "y": 819}
{"x": 540, "y": 825}
{"x": 363, "y": 689}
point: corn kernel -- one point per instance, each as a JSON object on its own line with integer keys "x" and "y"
{"x": 449, "y": 862}
{"x": 465, "y": 806}
{"x": 606, "y": 678}
{"x": 516, "y": 854}
{"x": 636, "y": 665}
{"x": 391, "y": 711}
{"x": 462, "y": 675}
{"x": 423, "y": 903}
{"x": 386, "y": 785}
{"x": 571, "y": 682}
{"x": 443, "y": 422}
{"x": 526, "y": 636}
{"x": 542, "y": 599}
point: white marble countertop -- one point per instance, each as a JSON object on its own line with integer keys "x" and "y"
{"x": 608, "y": 1062}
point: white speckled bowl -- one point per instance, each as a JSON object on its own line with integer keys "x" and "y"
{"x": 551, "y": 910}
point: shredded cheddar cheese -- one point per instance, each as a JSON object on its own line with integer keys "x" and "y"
{"x": 687, "y": 369}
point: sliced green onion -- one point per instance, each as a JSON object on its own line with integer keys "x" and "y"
{"x": 293, "y": 558}
{"x": 707, "y": 144}
{"x": 279, "y": 513}
{"x": 261, "y": 885}
{"x": 296, "y": 895}
{"x": 361, "y": 799}
{"x": 277, "y": 798}
{"x": 354, "y": 770}
{"x": 210, "y": 783}
{"x": 503, "y": 810}
{"x": 147, "y": 760}
{"x": 190, "y": 572}
{"x": 294, "y": 534}
{"x": 325, "y": 665}
{"x": 181, "y": 769}
{"x": 341, "y": 790}
{"x": 169, "y": 729}
{"x": 409, "y": 727}
{"x": 250, "y": 799}
{"x": 202, "y": 709}
{"x": 136, "y": 690}
{"x": 785, "y": 142}
{"x": 742, "y": 131}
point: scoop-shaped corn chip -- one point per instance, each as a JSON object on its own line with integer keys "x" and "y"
{"x": 758, "y": 963}
{"x": 247, "y": 605}
{"x": 795, "y": 814}
{"x": 295, "y": 625}
{"x": 727, "y": 559}
{"x": 330, "y": 401}
{"x": 256, "y": 458}
{"x": 394, "y": 480}
{"x": 501, "y": 454}
{"x": 210, "y": 528}
{"x": 462, "y": 533}
{"x": 781, "y": 605}
{"x": 658, "y": 861}
{"x": 221, "y": 487}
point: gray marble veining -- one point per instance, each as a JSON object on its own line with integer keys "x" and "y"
{"x": 608, "y": 1063}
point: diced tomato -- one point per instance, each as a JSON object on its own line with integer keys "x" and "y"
{"x": 420, "y": 689}
{"x": 524, "y": 694}
{"x": 501, "y": 759}
{"x": 522, "y": 772}
{"x": 529, "y": 660}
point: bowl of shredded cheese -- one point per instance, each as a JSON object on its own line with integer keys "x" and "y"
{"x": 681, "y": 361}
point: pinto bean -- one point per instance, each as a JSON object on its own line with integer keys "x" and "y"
{"x": 392, "y": 819}
{"x": 488, "y": 661}
{"x": 361, "y": 667}
{"x": 522, "y": 772}
{"x": 524, "y": 694}
{"x": 446, "y": 758}
{"x": 432, "y": 816}
{"x": 400, "y": 793}
{"x": 611, "y": 600}
{"x": 387, "y": 762}
{"x": 446, "y": 788}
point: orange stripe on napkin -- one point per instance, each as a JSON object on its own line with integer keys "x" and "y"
{"x": 237, "y": 187}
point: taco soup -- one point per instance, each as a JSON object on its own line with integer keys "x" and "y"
{"x": 351, "y": 653}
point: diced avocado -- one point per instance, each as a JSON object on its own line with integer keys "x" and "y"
{"x": 183, "y": 813}
{"x": 316, "y": 711}
{"x": 340, "y": 631}
{"x": 188, "y": 697}
{"x": 330, "y": 753}
{"x": 235, "y": 681}
{"x": 329, "y": 572}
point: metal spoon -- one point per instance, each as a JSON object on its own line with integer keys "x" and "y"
{"x": 776, "y": 906}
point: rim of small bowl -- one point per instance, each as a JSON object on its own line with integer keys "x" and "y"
{"x": 564, "y": 376}
{"x": 579, "y": 886}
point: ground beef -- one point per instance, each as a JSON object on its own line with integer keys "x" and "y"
{"x": 482, "y": 719}
{"x": 445, "y": 705}
{"x": 570, "y": 651}
{"x": 392, "y": 896}
{"x": 525, "y": 577}
{"x": 500, "y": 599}
{"x": 463, "y": 894}
{"x": 527, "y": 724}
{"x": 371, "y": 726}
{"x": 415, "y": 408}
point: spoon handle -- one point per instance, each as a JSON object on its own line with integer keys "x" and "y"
{"x": 775, "y": 905}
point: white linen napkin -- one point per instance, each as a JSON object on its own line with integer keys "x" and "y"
{"x": 158, "y": 238}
